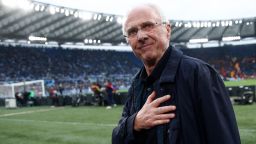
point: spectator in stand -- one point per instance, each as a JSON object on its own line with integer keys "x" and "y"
{"x": 65, "y": 64}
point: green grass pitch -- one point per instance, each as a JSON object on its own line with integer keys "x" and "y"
{"x": 248, "y": 82}
{"x": 84, "y": 125}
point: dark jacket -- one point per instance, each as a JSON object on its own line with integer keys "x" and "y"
{"x": 204, "y": 112}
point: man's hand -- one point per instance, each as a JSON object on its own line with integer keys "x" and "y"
{"x": 151, "y": 114}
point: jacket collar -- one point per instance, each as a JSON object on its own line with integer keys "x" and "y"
{"x": 171, "y": 67}
{"x": 170, "y": 70}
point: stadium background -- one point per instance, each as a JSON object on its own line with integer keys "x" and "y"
{"x": 72, "y": 48}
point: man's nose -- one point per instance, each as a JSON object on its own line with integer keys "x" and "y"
{"x": 142, "y": 35}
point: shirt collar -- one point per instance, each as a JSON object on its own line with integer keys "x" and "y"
{"x": 157, "y": 71}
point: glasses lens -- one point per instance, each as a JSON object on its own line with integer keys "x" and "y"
{"x": 145, "y": 27}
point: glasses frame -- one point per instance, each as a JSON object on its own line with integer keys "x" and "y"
{"x": 140, "y": 28}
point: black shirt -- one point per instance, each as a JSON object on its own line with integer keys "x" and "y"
{"x": 147, "y": 83}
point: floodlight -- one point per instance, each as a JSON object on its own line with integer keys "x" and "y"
{"x": 202, "y": 24}
{"x": 227, "y": 23}
{"x": 37, "y": 7}
{"x": 66, "y": 12}
{"x": 62, "y": 10}
{"x": 119, "y": 20}
{"x": 189, "y": 24}
{"x": 198, "y": 24}
{"x": 34, "y": 38}
{"x": 231, "y": 38}
{"x": 177, "y": 24}
{"x": 57, "y": 9}
{"x": 107, "y": 18}
{"x": 42, "y": 8}
{"x": 222, "y": 23}
{"x": 217, "y": 23}
{"x": 52, "y": 10}
{"x": 194, "y": 24}
{"x": 230, "y": 23}
{"x": 99, "y": 16}
{"x": 95, "y": 16}
{"x": 205, "y": 24}
{"x": 111, "y": 19}
{"x": 71, "y": 12}
{"x": 202, "y": 40}
{"x": 209, "y": 24}
{"x": 76, "y": 14}
{"x": 85, "y": 15}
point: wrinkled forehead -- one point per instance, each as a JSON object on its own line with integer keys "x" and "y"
{"x": 141, "y": 14}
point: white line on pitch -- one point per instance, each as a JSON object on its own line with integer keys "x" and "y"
{"x": 27, "y": 112}
{"x": 57, "y": 122}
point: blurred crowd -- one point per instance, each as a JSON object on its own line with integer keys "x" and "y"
{"x": 232, "y": 62}
{"x": 75, "y": 70}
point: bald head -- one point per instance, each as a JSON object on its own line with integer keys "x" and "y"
{"x": 145, "y": 8}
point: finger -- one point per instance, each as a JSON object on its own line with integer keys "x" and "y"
{"x": 160, "y": 100}
{"x": 151, "y": 97}
{"x": 165, "y": 116}
{"x": 160, "y": 122}
{"x": 165, "y": 109}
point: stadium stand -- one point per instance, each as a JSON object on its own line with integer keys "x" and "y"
{"x": 71, "y": 67}
{"x": 76, "y": 69}
{"x": 20, "y": 63}
{"x": 232, "y": 62}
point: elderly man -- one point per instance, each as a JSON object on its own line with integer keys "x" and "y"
{"x": 173, "y": 99}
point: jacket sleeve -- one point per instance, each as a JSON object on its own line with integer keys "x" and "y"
{"x": 217, "y": 115}
{"x": 123, "y": 133}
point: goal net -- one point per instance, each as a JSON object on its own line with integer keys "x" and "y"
{"x": 9, "y": 90}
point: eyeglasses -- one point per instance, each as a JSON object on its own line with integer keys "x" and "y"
{"x": 145, "y": 27}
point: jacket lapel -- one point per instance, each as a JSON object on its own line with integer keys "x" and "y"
{"x": 171, "y": 68}
{"x": 138, "y": 89}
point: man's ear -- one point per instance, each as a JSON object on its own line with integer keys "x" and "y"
{"x": 168, "y": 29}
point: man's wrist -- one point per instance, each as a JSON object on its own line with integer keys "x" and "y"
{"x": 136, "y": 126}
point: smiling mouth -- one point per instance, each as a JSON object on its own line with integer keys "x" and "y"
{"x": 145, "y": 46}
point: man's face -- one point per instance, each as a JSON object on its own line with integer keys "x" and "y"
{"x": 146, "y": 34}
